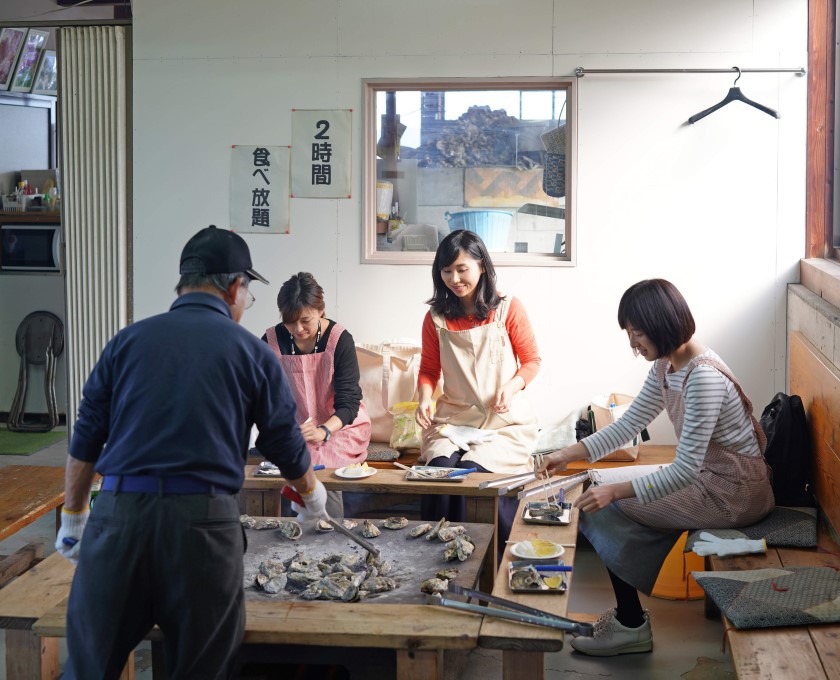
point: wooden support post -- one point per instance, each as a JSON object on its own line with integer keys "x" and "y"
{"x": 15, "y": 565}
{"x": 29, "y": 657}
{"x": 419, "y": 665}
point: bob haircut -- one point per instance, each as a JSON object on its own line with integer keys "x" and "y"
{"x": 300, "y": 292}
{"x": 659, "y": 310}
{"x": 486, "y": 296}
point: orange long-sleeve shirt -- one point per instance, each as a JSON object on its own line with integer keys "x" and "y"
{"x": 519, "y": 330}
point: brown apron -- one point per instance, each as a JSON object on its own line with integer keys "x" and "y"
{"x": 475, "y": 363}
{"x": 311, "y": 379}
{"x": 732, "y": 490}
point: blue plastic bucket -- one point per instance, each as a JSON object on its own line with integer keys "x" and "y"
{"x": 492, "y": 225}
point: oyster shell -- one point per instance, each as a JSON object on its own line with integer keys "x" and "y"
{"x": 261, "y": 523}
{"x": 419, "y": 530}
{"x": 524, "y": 578}
{"x": 461, "y": 548}
{"x": 247, "y": 521}
{"x": 289, "y": 529}
{"x": 432, "y": 535}
{"x": 448, "y": 573}
{"x": 543, "y": 509}
{"x": 276, "y": 584}
{"x": 451, "y": 533}
{"x": 378, "y": 584}
{"x": 323, "y": 526}
{"x": 434, "y": 585}
{"x": 385, "y": 568}
{"x": 369, "y": 529}
{"x": 271, "y": 568}
{"x": 350, "y": 524}
{"x": 395, "y": 523}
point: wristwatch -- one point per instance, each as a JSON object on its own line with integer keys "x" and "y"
{"x": 327, "y": 433}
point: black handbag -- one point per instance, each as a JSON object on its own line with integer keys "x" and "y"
{"x": 554, "y": 174}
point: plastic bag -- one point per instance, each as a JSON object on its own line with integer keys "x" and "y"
{"x": 406, "y": 433}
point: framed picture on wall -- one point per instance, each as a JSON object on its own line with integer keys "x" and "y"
{"x": 46, "y": 78}
{"x": 36, "y": 41}
{"x": 11, "y": 43}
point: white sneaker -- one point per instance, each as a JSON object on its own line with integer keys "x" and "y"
{"x": 611, "y": 638}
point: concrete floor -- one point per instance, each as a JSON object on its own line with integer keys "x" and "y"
{"x": 686, "y": 644}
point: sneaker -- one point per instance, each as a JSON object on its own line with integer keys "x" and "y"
{"x": 611, "y": 638}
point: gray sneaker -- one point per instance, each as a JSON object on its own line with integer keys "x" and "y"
{"x": 611, "y": 638}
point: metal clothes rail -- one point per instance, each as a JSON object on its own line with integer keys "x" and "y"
{"x": 580, "y": 71}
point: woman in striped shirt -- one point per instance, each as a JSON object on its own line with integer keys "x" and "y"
{"x": 718, "y": 478}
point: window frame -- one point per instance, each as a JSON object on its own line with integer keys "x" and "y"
{"x": 370, "y": 88}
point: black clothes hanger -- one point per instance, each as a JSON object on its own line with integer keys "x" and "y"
{"x": 734, "y": 95}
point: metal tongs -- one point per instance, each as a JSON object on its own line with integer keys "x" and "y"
{"x": 513, "y": 611}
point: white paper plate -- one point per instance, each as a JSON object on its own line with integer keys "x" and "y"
{"x": 524, "y": 550}
{"x": 342, "y": 472}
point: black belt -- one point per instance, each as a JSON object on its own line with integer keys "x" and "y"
{"x": 160, "y": 485}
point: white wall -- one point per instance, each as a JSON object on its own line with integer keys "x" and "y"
{"x": 717, "y": 207}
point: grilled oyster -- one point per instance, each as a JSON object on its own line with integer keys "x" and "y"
{"x": 395, "y": 523}
{"x": 247, "y": 521}
{"x": 369, "y": 529}
{"x": 451, "y": 533}
{"x": 420, "y": 529}
{"x": 449, "y": 573}
{"x": 323, "y": 526}
{"x": 461, "y": 548}
{"x": 271, "y": 568}
{"x": 276, "y": 584}
{"x": 350, "y": 524}
{"x": 261, "y": 523}
{"x": 289, "y": 529}
{"x": 525, "y": 578}
{"x": 434, "y": 585}
{"x": 378, "y": 584}
{"x": 442, "y": 524}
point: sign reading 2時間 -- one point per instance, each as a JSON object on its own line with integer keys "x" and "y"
{"x": 321, "y": 153}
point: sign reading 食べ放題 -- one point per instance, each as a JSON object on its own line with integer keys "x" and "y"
{"x": 259, "y": 189}
{"x": 321, "y": 153}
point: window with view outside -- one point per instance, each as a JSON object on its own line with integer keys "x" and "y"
{"x": 491, "y": 157}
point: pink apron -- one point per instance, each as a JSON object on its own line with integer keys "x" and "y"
{"x": 311, "y": 379}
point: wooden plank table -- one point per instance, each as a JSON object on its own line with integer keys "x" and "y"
{"x": 26, "y": 493}
{"x": 261, "y": 496}
{"x": 524, "y": 646}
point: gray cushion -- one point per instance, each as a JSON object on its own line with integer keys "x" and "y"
{"x": 378, "y": 451}
{"x": 766, "y": 598}
{"x": 783, "y": 527}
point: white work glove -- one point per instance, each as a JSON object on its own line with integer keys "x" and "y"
{"x": 462, "y": 436}
{"x": 709, "y": 544}
{"x": 316, "y": 502}
{"x": 69, "y": 537}
{"x": 302, "y": 512}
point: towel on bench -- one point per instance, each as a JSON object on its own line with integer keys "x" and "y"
{"x": 380, "y": 451}
{"x": 783, "y": 527}
{"x": 767, "y": 598}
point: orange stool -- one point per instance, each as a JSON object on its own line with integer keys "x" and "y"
{"x": 675, "y": 581}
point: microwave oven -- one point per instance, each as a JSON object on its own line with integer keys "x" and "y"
{"x": 30, "y": 248}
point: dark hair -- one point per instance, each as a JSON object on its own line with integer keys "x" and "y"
{"x": 486, "y": 296}
{"x": 298, "y": 293}
{"x": 659, "y": 310}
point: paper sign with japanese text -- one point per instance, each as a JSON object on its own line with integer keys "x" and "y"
{"x": 259, "y": 189}
{"x": 321, "y": 153}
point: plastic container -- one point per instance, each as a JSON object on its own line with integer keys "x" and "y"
{"x": 675, "y": 581}
{"x": 492, "y": 225}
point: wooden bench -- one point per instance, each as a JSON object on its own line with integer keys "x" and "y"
{"x": 800, "y": 651}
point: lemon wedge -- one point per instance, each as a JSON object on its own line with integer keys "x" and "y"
{"x": 553, "y": 581}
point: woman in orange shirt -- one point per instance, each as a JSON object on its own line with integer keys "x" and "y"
{"x": 483, "y": 345}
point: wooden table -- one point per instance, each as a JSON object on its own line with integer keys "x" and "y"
{"x": 524, "y": 646}
{"x": 261, "y": 496}
{"x": 26, "y": 493}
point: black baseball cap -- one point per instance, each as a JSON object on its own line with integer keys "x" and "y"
{"x": 217, "y": 251}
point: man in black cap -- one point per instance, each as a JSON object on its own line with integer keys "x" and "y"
{"x": 174, "y": 397}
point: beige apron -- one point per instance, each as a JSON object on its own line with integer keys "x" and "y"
{"x": 311, "y": 379}
{"x": 475, "y": 364}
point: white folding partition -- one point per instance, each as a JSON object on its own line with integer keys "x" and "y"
{"x": 93, "y": 126}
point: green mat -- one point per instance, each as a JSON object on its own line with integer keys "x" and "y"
{"x": 24, "y": 443}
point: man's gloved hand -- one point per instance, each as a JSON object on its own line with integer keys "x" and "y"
{"x": 302, "y": 512}
{"x": 462, "y": 436}
{"x": 316, "y": 501}
{"x": 709, "y": 544}
{"x": 70, "y": 534}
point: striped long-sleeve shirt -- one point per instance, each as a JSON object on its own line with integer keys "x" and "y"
{"x": 713, "y": 411}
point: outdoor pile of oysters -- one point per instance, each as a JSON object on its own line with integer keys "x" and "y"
{"x": 352, "y": 576}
